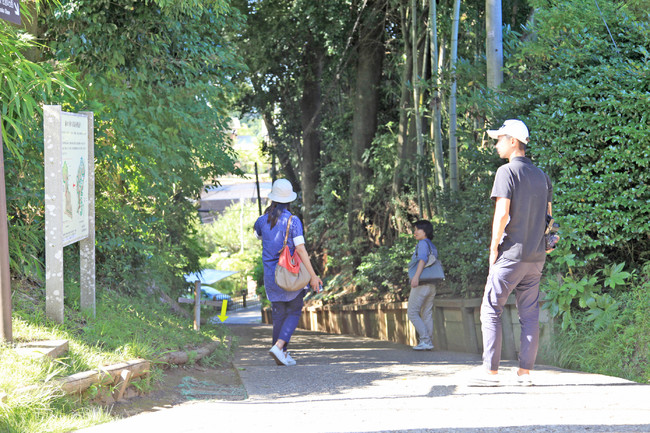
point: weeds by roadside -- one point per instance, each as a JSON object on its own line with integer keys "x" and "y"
{"x": 124, "y": 328}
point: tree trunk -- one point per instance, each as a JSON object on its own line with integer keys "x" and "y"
{"x": 426, "y": 174}
{"x": 32, "y": 27}
{"x": 453, "y": 150}
{"x": 416, "y": 105}
{"x": 281, "y": 153}
{"x": 436, "y": 121}
{"x": 494, "y": 43}
{"x": 310, "y": 106}
{"x": 405, "y": 101}
{"x": 366, "y": 107}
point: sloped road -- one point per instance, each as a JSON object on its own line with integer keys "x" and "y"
{"x": 352, "y": 384}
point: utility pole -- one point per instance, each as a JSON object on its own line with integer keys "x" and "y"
{"x": 494, "y": 43}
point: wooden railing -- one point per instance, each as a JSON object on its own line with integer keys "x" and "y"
{"x": 457, "y": 324}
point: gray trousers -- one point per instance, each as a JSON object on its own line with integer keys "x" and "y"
{"x": 420, "y": 311}
{"x": 504, "y": 277}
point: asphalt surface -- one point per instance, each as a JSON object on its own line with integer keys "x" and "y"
{"x": 351, "y": 384}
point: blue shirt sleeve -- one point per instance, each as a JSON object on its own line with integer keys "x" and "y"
{"x": 257, "y": 227}
{"x": 296, "y": 228}
{"x": 422, "y": 250}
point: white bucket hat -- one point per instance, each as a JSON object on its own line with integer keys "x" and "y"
{"x": 282, "y": 191}
{"x": 512, "y": 127}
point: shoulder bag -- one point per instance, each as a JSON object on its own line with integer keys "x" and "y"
{"x": 432, "y": 271}
{"x": 290, "y": 273}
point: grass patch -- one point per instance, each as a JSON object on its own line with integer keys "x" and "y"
{"x": 124, "y": 328}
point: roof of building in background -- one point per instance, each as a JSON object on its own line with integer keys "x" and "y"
{"x": 208, "y": 276}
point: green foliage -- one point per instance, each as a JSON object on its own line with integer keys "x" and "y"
{"x": 463, "y": 237}
{"x": 383, "y": 270}
{"x": 158, "y": 80}
{"x": 570, "y": 293}
{"x": 620, "y": 347}
{"x": 27, "y": 85}
{"x": 583, "y": 98}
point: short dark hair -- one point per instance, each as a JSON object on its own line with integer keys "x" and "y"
{"x": 426, "y": 226}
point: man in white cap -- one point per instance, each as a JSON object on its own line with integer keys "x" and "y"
{"x": 522, "y": 194}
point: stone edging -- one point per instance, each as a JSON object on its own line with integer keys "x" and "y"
{"x": 120, "y": 375}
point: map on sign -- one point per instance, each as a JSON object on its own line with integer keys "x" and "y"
{"x": 10, "y": 10}
{"x": 74, "y": 149}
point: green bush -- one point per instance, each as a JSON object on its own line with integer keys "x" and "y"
{"x": 584, "y": 98}
{"x": 621, "y": 347}
{"x": 161, "y": 118}
{"x": 27, "y": 85}
{"x": 384, "y": 269}
{"x": 463, "y": 239}
{"x": 584, "y": 292}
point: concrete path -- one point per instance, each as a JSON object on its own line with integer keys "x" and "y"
{"x": 352, "y": 384}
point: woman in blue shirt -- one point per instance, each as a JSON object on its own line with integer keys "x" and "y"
{"x": 271, "y": 229}
{"x": 420, "y": 303}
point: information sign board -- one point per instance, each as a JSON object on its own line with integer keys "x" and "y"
{"x": 10, "y": 11}
{"x": 74, "y": 156}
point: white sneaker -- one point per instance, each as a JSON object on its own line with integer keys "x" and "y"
{"x": 423, "y": 346}
{"x": 479, "y": 376}
{"x": 290, "y": 360}
{"x": 524, "y": 380}
{"x": 279, "y": 356}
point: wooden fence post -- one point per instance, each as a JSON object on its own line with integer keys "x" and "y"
{"x": 197, "y": 305}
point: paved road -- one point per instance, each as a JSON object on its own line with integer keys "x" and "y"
{"x": 352, "y": 384}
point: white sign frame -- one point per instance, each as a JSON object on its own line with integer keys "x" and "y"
{"x": 59, "y": 139}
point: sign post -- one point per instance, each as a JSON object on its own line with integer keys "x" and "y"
{"x": 5, "y": 278}
{"x": 10, "y": 11}
{"x": 69, "y": 204}
{"x": 87, "y": 245}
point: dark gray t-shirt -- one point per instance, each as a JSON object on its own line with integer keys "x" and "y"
{"x": 529, "y": 190}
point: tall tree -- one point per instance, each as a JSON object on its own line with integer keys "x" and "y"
{"x": 403, "y": 148}
{"x": 436, "y": 108}
{"x": 370, "y": 54}
{"x": 310, "y": 116}
{"x": 416, "y": 83}
{"x": 272, "y": 46}
{"x": 453, "y": 145}
{"x": 286, "y": 49}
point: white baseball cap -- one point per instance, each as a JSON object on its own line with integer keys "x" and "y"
{"x": 512, "y": 127}
{"x": 282, "y": 191}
